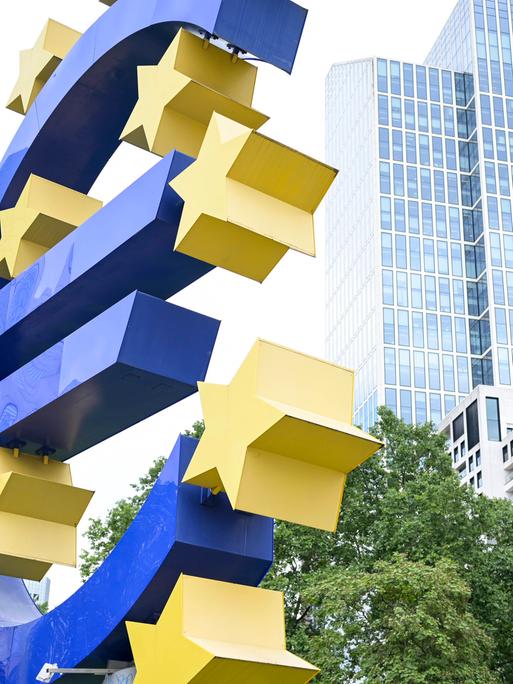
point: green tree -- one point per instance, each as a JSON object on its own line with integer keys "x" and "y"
{"x": 104, "y": 533}
{"x": 404, "y": 623}
{"x": 404, "y": 503}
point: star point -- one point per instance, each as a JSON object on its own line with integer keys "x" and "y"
{"x": 39, "y": 63}
{"x": 178, "y": 96}
{"x": 248, "y": 200}
{"x": 279, "y": 438}
{"x": 216, "y": 632}
{"x": 45, "y": 213}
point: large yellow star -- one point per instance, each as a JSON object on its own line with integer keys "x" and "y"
{"x": 248, "y": 199}
{"x": 45, "y": 213}
{"x": 39, "y": 512}
{"x": 39, "y": 63}
{"x": 279, "y": 438}
{"x": 178, "y": 96}
{"x": 214, "y": 632}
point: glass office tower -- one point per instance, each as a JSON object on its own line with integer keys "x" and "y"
{"x": 419, "y": 226}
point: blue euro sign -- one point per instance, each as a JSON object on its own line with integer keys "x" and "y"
{"x": 107, "y": 280}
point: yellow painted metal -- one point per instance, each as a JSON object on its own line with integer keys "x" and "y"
{"x": 178, "y": 96}
{"x": 39, "y": 63}
{"x": 45, "y": 213}
{"x": 248, "y": 199}
{"x": 279, "y": 438}
{"x": 39, "y": 512}
{"x": 218, "y": 633}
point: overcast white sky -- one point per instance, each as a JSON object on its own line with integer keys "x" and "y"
{"x": 289, "y": 307}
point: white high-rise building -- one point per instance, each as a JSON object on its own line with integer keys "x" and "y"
{"x": 480, "y": 439}
{"x": 420, "y": 222}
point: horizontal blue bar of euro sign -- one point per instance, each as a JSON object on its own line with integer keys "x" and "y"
{"x": 126, "y": 246}
{"x": 174, "y": 533}
{"x": 73, "y": 127}
{"x": 133, "y": 360}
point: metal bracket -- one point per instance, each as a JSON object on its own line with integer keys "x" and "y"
{"x": 49, "y": 670}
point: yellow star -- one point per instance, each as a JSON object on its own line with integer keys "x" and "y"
{"x": 39, "y": 512}
{"x": 215, "y": 632}
{"x": 248, "y": 199}
{"x": 279, "y": 438}
{"x": 39, "y": 63}
{"x": 45, "y": 213}
{"x": 178, "y": 96}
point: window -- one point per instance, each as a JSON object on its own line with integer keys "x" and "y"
{"x": 406, "y": 408}
{"x": 388, "y": 287}
{"x": 400, "y": 252}
{"x": 421, "y": 82}
{"x": 435, "y": 402}
{"x": 471, "y": 464}
{"x": 478, "y": 458}
{"x": 397, "y": 115}
{"x": 403, "y": 328}
{"x": 386, "y": 213}
{"x": 472, "y": 425}
{"x": 448, "y": 373}
{"x": 493, "y": 419}
{"x": 434, "y": 371}
{"x": 388, "y": 326}
{"x": 386, "y": 250}
{"x": 384, "y": 143}
{"x": 397, "y": 145}
{"x": 505, "y": 454}
{"x": 391, "y": 400}
{"x": 458, "y": 427}
{"x": 480, "y": 480}
{"x": 418, "y": 329}
{"x": 419, "y": 370}
{"x": 456, "y": 455}
{"x": 416, "y": 291}
{"x": 390, "y": 374}
{"x": 404, "y": 368}
{"x": 384, "y": 119}
{"x": 402, "y": 288}
{"x": 420, "y": 408}
{"x": 382, "y": 75}
{"x": 432, "y": 331}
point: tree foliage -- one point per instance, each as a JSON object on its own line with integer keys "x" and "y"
{"x": 104, "y": 533}
{"x": 413, "y": 588}
{"x": 415, "y": 578}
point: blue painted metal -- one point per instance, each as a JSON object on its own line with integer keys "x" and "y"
{"x": 174, "y": 533}
{"x": 70, "y": 394}
{"x": 73, "y": 127}
{"x": 135, "y": 359}
{"x": 126, "y": 246}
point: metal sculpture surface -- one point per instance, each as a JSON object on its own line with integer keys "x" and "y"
{"x": 89, "y": 346}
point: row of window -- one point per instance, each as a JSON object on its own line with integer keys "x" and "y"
{"x": 419, "y": 406}
{"x": 415, "y": 329}
{"x": 425, "y": 150}
{"x": 411, "y": 216}
{"x": 497, "y": 111}
{"x": 424, "y": 254}
{"x": 498, "y": 178}
{"x": 424, "y": 83}
{"x": 419, "y": 116}
{"x": 422, "y": 293}
{"x": 412, "y": 369}
{"x": 432, "y": 185}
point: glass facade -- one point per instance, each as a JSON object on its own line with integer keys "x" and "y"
{"x": 420, "y": 224}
